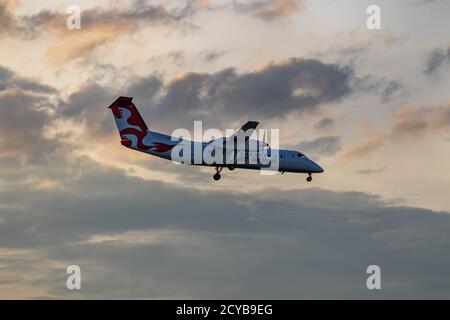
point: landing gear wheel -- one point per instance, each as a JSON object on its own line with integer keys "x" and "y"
{"x": 231, "y": 168}
{"x": 216, "y": 176}
{"x": 309, "y": 179}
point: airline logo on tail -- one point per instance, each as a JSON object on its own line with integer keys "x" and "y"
{"x": 130, "y": 123}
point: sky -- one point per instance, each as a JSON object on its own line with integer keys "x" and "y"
{"x": 372, "y": 107}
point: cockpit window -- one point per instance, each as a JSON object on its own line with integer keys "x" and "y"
{"x": 300, "y": 155}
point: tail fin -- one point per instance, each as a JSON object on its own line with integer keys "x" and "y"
{"x": 131, "y": 126}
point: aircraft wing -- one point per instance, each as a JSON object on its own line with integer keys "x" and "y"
{"x": 250, "y": 125}
{"x": 246, "y": 131}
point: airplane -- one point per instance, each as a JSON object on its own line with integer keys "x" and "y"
{"x": 135, "y": 135}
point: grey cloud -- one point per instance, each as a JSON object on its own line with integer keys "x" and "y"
{"x": 147, "y": 239}
{"x": 325, "y": 123}
{"x": 34, "y": 86}
{"x": 176, "y": 57}
{"x": 436, "y": 60}
{"x": 390, "y": 90}
{"x": 89, "y": 105}
{"x": 22, "y": 126}
{"x": 138, "y": 12}
{"x": 384, "y": 88}
{"x": 273, "y": 91}
{"x": 5, "y": 74}
{"x": 220, "y": 99}
{"x": 211, "y": 55}
{"x": 319, "y": 147}
{"x": 26, "y": 106}
{"x": 269, "y": 9}
{"x": 371, "y": 171}
{"x": 10, "y": 80}
{"x": 431, "y": 2}
{"x": 146, "y": 88}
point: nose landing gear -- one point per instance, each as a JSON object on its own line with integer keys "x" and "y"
{"x": 217, "y": 175}
{"x": 309, "y": 178}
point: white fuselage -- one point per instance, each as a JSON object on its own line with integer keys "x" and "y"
{"x": 288, "y": 160}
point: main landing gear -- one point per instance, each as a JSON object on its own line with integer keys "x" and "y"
{"x": 217, "y": 176}
{"x": 309, "y": 179}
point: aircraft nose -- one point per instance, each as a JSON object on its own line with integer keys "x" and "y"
{"x": 315, "y": 168}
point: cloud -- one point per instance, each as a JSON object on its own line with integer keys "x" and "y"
{"x": 67, "y": 209}
{"x": 325, "y": 123}
{"x": 430, "y": 2}
{"x": 270, "y": 9}
{"x": 81, "y": 45}
{"x": 136, "y": 238}
{"x": 386, "y": 89}
{"x": 88, "y": 108}
{"x": 8, "y": 23}
{"x": 219, "y": 99}
{"x": 9, "y": 80}
{"x": 413, "y": 122}
{"x": 390, "y": 90}
{"x": 371, "y": 171}
{"x": 272, "y": 91}
{"x": 266, "y": 10}
{"x": 26, "y": 110}
{"x": 146, "y": 88}
{"x": 211, "y": 55}
{"x": 364, "y": 148}
{"x": 22, "y": 124}
{"x": 146, "y": 239}
{"x": 320, "y": 147}
{"x": 98, "y": 26}
{"x": 436, "y": 60}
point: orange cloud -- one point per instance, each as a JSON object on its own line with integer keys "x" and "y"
{"x": 98, "y": 26}
{"x": 271, "y": 9}
{"x": 8, "y": 22}
{"x": 421, "y": 121}
{"x": 365, "y": 148}
{"x": 201, "y": 4}
{"x": 283, "y": 8}
{"x": 81, "y": 43}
